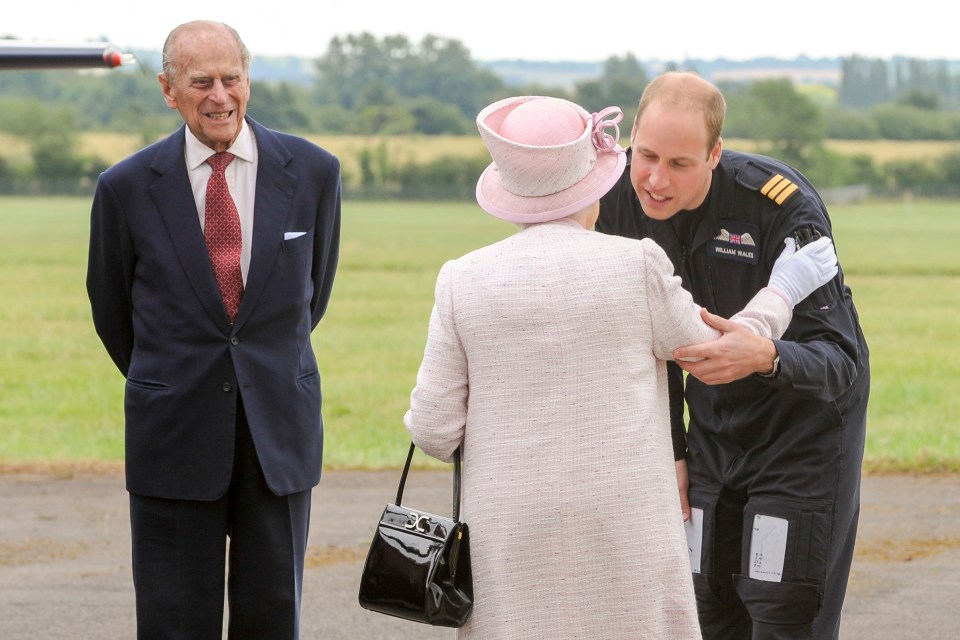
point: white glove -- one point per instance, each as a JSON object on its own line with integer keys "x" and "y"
{"x": 797, "y": 274}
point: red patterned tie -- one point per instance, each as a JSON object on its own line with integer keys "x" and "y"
{"x": 221, "y": 229}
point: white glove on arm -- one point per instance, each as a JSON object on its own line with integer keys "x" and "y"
{"x": 797, "y": 274}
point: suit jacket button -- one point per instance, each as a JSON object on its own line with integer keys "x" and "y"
{"x": 227, "y": 387}
{"x": 234, "y": 340}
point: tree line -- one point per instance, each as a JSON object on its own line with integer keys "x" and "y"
{"x": 394, "y": 86}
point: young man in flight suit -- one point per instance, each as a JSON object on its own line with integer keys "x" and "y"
{"x": 772, "y": 455}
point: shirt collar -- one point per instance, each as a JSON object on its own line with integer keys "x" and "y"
{"x": 197, "y": 153}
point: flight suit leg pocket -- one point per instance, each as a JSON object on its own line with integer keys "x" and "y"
{"x": 786, "y": 540}
{"x": 783, "y": 569}
{"x": 781, "y": 610}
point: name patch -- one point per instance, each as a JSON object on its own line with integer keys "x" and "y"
{"x": 736, "y": 241}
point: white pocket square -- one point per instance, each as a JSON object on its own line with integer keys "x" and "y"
{"x": 290, "y": 235}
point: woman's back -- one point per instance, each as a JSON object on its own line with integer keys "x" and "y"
{"x": 569, "y": 484}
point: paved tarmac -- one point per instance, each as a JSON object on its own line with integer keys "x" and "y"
{"x": 65, "y": 557}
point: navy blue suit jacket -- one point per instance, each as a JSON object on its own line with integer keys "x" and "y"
{"x": 158, "y": 311}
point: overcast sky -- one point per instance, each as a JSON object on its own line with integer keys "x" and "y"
{"x": 522, "y": 29}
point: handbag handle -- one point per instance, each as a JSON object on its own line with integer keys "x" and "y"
{"x": 456, "y": 480}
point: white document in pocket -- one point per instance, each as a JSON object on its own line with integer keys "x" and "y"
{"x": 694, "y": 529}
{"x": 768, "y": 547}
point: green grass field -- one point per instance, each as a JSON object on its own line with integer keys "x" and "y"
{"x": 61, "y": 397}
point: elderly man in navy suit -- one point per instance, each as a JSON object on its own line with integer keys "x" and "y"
{"x": 212, "y": 257}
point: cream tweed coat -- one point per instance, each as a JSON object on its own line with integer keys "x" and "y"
{"x": 545, "y": 357}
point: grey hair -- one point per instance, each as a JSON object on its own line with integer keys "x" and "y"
{"x": 170, "y": 68}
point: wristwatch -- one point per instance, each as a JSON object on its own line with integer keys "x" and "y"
{"x": 776, "y": 368}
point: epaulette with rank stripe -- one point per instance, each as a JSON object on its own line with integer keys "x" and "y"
{"x": 778, "y": 189}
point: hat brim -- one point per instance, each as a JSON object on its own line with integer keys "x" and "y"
{"x": 498, "y": 202}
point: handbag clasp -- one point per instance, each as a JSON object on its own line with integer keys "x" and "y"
{"x": 418, "y": 522}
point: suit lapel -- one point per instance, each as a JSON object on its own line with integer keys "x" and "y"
{"x": 173, "y": 197}
{"x": 272, "y": 202}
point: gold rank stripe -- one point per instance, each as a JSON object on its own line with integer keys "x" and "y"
{"x": 778, "y": 189}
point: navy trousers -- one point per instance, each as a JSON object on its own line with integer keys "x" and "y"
{"x": 181, "y": 554}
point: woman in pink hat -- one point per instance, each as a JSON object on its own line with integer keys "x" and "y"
{"x": 546, "y": 359}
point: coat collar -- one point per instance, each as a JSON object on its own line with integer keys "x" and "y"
{"x": 174, "y": 200}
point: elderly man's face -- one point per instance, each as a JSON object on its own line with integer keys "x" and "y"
{"x": 211, "y": 88}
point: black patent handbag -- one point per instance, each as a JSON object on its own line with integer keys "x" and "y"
{"x": 418, "y": 565}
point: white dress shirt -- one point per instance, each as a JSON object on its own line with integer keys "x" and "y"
{"x": 241, "y": 177}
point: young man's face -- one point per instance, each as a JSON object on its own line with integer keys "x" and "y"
{"x": 671, "y": 167}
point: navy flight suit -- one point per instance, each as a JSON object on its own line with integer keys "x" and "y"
{"x": 785, "y": 449}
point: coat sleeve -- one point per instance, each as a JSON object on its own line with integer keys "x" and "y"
{"x": 438, "y": 403}
{"x": 326, "y": 250}
{"x": 675, "y": 318}
{"x": 110, "y": 267}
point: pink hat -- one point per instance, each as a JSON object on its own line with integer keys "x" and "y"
{"x": 551, "y": 158}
